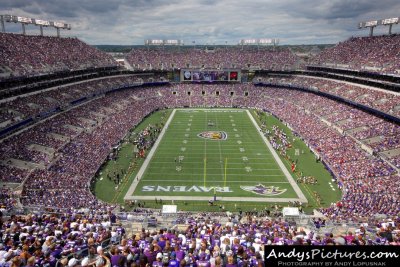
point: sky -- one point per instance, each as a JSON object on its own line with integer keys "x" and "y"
{"x": 130, "y": 22}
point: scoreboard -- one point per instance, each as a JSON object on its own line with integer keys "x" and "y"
{"x": 200, "y": 75}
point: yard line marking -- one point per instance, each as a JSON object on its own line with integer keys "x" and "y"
{"x": 219, "y": 148}
{"x": 205, "y": 153}
{"x": 230, "y": 163}
{"x": 268, "y": 157}
{"x": 199, "y": 174}
{"x": 218, "y": 181}
{"x": 229, "y": 168}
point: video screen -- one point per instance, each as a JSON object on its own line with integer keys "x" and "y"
{"x": 209, "y": 75}
{"x": 222, "y": 76}
{"x": 198, "y": 76}
{"x": 187, "y": 75}
{"x": 233, "y": 76}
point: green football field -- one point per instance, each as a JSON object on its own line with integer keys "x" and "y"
{"x": 203, "y": 152}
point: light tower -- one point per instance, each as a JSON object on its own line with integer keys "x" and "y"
{"x": 37, "y": 22}
{"x": 374, "y": 23}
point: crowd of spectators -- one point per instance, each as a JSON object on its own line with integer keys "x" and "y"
{"x": 359, "y": 174}
{"x": 209, "y": 95}
{"x": 58, "y": 131}
{"x": 44, "y": 102}
{"x": 372, "y": 54}
{"x": 77, "y": 160}
{"x": 21, "y": 146}
{"x": 41, "y": 240}
{"x": 10, "y": 174}
{"x": 229, "y": 57}
{"x": 98, "y": 239}
{"x": 27, "y": 55}
{"x": 387, "y": 142}
{"x": 349, "y": 118}
{"x": 379, "y": 99}
{"x": 68, "y": 135}
{"x": 81, "y": 139}
{"x": 8, "y": 200}
{"x": 395, "y": 160}
{"x": 380, "y": 129}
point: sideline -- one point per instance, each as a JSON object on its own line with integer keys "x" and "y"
{"x": 289, "y": 177}
{"x": 129, "y": 194}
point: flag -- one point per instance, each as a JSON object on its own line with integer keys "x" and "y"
{"x": 293, "y": 167}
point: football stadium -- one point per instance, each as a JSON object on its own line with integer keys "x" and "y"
{"x": 171, "y": 152}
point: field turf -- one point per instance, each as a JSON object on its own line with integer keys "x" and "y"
{"x": 213, "y": 151}
{"x": 217, "y": 160}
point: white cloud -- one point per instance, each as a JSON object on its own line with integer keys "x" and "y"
{"x": 214, "y": 21}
